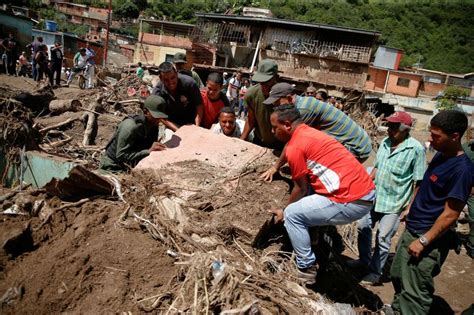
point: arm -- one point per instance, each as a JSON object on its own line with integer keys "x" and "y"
{"x": 405, "y": 212}
{"x": 299, "y": 191}
{"x": 448, "y": 217}
{"x": 268, "y": 175}
{"x": 249, "y": 124}
{"x": 170, "y": 125}
{"x": 418, "y": 172}
{"x": 199, "y": 114}
{"x": 373, "y": 173}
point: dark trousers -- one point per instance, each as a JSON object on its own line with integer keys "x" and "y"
{"x": 56, "y": 70}
{"x": 44, "y": 69}
{"x": 34, "y": 69}
{"x": 412, "y": 278}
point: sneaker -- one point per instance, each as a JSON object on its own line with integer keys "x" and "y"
{"x": 370, "y": 279}
{"x": 308, "y": 275}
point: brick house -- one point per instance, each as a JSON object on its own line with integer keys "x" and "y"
{"x": 325, "y": 55}
{"x": 393, "y": 81}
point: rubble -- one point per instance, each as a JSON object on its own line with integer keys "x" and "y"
{"x": 182, "y": 238}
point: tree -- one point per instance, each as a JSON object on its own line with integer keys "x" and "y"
{"x": 450, "y": 95}
{"x": 127, "y": 10}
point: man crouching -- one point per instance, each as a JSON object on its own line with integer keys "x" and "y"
{"x": 331, "y": 186}
{"x": 135, "y": 138}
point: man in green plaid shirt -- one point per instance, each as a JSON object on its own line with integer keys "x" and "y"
{"x": 399, "y": 166}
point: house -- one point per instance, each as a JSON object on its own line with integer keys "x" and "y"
{"x": 19, "y": 25}
{"x": 326, "y": 55}
{"x": 95, "y": 18}
{"x": 161, "y": 40}
{"x": 393, "y": 81}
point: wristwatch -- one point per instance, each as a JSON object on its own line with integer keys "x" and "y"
{"x": 423, "y": 240}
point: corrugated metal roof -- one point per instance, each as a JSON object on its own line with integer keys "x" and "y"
{"x": 239, "y": 18}
{"x": 170, "y": 26}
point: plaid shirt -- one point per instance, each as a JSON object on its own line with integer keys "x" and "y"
{"x": 396, "y": 173}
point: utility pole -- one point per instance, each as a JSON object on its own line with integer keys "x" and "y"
{"x": 106, "y": 48}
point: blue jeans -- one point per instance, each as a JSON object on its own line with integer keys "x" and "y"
{"x": 316, "y": 210}
{"x": 242, "y": 107}
{"x": 388, "y": 225}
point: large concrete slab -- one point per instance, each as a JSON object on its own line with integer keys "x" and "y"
{"x": 195, "y": 143}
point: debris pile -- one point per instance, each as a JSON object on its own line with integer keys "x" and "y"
{"x": 178, "y": 239}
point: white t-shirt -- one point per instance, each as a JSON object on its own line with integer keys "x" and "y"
{"x": 239, "y": 127}
{"x": 233, "y": 88}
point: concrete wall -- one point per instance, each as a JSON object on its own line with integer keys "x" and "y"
{"x": 411, "y": 90}
{"x": 154, "y": 54}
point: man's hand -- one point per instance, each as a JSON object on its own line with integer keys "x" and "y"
{"x": 278, "y": 215}
{"x": 156, "y": 146}
{"x": 415, "y": 248}
{"x": 268, "y": 174}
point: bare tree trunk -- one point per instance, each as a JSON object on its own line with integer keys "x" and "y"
{"x": 61, "y": 106}
{"x": 90, "y": 119}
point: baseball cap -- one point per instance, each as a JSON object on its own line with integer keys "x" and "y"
{"x": 400, "y": 117}
{"x": 267, "y": 69}
{"x": 155, "y": 104}
{"x": 323, "y": 91}
{"x": 179, "y": 57}
{"x": 310, "y": 89}
{"x": 278, "y": 91}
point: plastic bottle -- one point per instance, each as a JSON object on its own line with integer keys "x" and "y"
{"x": 218, "y": 270}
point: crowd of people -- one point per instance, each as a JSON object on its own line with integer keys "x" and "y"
{"x": 324, "y": 149}
{"x": 46, "y": 64}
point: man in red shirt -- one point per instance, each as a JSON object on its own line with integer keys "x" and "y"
{"x": 213, "y": 99}
{"x": 343, "y": 190}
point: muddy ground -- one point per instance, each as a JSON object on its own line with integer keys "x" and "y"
{"x": 94, "y": 259}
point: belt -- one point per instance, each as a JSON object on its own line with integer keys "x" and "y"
{"x": 363, "y": 202}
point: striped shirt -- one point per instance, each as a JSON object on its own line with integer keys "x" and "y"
{"x": 332, "y": 121}
{"x": 396, "y": 173}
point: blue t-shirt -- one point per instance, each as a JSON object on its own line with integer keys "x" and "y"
{"x": 445, "y": 178}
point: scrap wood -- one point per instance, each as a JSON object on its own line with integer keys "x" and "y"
{"x": 58, "y": 125}
{"x": 79, "y": 183}
{"x": 13, "y": 193}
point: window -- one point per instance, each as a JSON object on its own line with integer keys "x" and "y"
{"x": 368, "y": 77}
{"x": 169, "y": 58}
{"x": 403, "y": 82}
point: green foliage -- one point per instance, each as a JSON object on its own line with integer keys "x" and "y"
{"x": 127, "y": 10}
{"x": 437, "y": 34}
{"x": 450, "y": 95}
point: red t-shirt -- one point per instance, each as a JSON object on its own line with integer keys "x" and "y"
{"x": 211, "y": 110}
{"x": 333, "y": 171}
